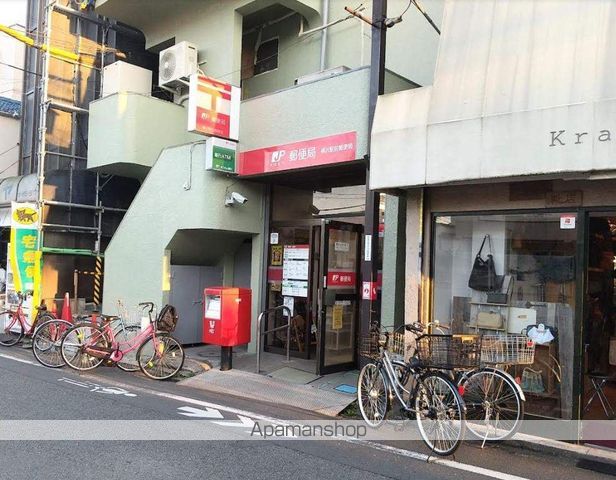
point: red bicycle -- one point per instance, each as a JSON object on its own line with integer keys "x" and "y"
{"x": 46, "y": 331}
{"x": 159, "y": 356}
{"x": 14, "y": 323}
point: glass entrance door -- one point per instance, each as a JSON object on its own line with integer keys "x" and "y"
{"x": 339, "y": 296}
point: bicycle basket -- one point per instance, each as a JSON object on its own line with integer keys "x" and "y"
{"x": 167, "y": 319}
{"x": 369, "y": 345}
{"x": 449, "y": 351}
{"x": 507, "y": 349}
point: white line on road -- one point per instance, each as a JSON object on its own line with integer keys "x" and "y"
{"x": 439, "y": 461}
{"x": 22, "y": 360}
{"x": 376, "y": 446}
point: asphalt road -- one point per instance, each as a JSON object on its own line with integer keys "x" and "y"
{"x": 42, "y": 403}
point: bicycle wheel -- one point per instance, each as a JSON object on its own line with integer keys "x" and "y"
{"x": 74, "y": 343}
{"x": 372, "y": 395}
{"x": 439, "y": 411}
{"x": 160, "y": 357}
{"x": 11, "y": 329}
{"x": 47, "y": 341}
{"x": 494, "y": 407}
{"x": 124, "y": 336}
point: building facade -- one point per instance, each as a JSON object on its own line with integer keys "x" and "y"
{"x": 512, "y": 148}
{"x": 303, "y": 147}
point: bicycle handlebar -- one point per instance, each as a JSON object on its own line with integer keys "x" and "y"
{"x": 146, "y": 304}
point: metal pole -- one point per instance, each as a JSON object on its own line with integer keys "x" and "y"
{"x": 325, "y": 15}
{"x": 75, "y": 285}
{"x": 226, "y": 358}
{"x": 42, "y": 148}
{"x": 259, "y": 319}
{"x": 288, "y": 334}
{"x": 369, "y": 265}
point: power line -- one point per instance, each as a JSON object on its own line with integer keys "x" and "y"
{"x": 16, "y": 161}
{"x": 22, "y": 69}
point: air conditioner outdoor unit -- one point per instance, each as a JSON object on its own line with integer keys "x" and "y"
{"x": 177, "y": 63}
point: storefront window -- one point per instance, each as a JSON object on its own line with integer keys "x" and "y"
{"x": 533, "y": 284}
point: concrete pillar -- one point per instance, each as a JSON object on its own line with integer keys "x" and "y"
{"x": 256, "y": 285}
{"x": 394, "y": 245}
{"x": 414, "y": 299}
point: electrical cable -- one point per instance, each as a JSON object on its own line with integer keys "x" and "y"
{"x": 7, "y": 151}
{"x": 19, "y": 68}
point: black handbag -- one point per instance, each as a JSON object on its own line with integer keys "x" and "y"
{"x": 483, "y": 275}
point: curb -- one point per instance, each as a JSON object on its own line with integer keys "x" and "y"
{"x": 194, "y": 367}
{"x": 555, "y": 447}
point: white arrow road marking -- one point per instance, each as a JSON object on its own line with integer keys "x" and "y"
{"x": 199, "y": 413}
{"x": 244, "y": 422}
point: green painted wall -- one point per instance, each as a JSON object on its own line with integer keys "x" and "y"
{"x": 216, "y": 28}
{"x": 335, "y": 105}
{"x": 127, "y": 132}
{"x": 134, "y": 260}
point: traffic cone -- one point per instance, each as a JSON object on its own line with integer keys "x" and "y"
{"x": 66, "y": 308}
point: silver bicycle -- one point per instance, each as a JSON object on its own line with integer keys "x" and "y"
{"x": 494, "y": 400}
{"x": 433, "y": 400}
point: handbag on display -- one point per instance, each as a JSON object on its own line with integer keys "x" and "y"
{"x": 491, "y": 320}
{"x": 483, "y": 274}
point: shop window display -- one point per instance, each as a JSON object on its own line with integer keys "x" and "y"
{"x": 528, "y": 286}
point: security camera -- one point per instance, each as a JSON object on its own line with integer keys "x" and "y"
{"x": 235, "y": 197}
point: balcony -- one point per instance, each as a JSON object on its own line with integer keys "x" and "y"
{"x": 127, "y": 132}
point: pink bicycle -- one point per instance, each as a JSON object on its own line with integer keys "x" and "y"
{"x": 159, "y": 355}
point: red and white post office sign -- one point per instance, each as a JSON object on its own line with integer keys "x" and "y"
{"x": 309, "y": 153}
{"x": 341, "y": 279}
{"x": 567, "y": 222}
{"x": 213, "y": 108}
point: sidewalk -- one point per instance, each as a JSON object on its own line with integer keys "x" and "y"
{"x": 292, "y": 383}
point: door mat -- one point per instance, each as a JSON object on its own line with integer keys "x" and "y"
{"x": 293, "y": 375}
{"x": 350, "y": 389}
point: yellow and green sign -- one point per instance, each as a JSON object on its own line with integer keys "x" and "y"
{"x": 24, "y": 255}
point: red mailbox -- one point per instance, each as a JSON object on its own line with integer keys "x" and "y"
{"x": 226, "y": 318}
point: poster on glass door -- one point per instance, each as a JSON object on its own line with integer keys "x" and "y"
{"x": 295, "y": 269}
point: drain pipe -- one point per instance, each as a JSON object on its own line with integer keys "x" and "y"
{"x": 188, "y": 184}
{"x": 325, "y": 14}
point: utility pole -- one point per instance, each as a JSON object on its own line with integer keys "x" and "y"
{"x": 369, "y": 311}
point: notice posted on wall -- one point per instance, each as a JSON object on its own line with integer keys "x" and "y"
{"x": 295, "y": 288}
{"x": 295, "y": 270}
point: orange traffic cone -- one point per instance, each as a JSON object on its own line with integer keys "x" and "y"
{"x": 66, "y": 308}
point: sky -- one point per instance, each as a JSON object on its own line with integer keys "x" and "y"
{"x": 13, "y": 11}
